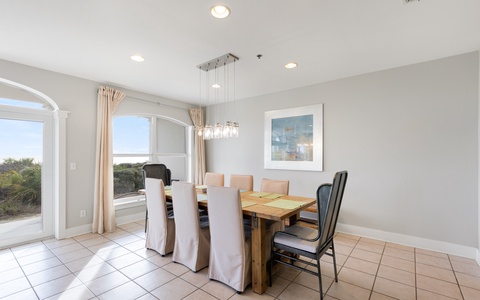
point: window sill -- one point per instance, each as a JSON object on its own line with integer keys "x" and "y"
{"x": 129, "y": 203}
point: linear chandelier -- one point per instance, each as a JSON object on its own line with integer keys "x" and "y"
{"x": 219, "y": 78}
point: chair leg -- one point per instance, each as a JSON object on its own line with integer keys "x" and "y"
{"x": 270, "y": 269}
{"x": 146, "y": 219}
{"x": 334, "y": 262}
{"x": 319, "y": 278}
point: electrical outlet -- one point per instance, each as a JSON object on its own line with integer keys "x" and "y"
{"x": 83, "y": 213}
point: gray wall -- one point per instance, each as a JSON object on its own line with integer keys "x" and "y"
{"x": 408, "y": 137}
{"x": 79, "y": 97}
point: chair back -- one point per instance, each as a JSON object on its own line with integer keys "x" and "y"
{"x": 216, "y": 179}
{"x": 329, "y": 200}
{"x": 188, "y": 239}
{"x": 230, "y": 257}
{"x": 242, "y": 182}
{"x": 158, "y": 229}
{"x": 274, "y": 186}
{"x": 159, "y": 171}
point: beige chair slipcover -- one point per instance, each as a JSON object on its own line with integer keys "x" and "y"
{"x": 160, "y": 234}
{"x": 192, "y": 241}
{"x": 230, "y": 252}
{"x": 216, "y": 179}
{"x": 242, "y": 182}
{"x": 274, "y": 186}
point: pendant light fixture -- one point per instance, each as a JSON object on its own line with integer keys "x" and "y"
{"x": 222, "y": 88}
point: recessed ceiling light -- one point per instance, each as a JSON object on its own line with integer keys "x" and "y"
{"x": 216, "y": 86}
{"x": 291, "y": 65}
{"x": 137, "y": 58}
{"x": 220, "y": 11}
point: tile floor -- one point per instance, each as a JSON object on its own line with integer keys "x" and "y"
{"x": 117, "y": 266}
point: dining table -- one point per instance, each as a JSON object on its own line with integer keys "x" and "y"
{"x": 261, "y": 207}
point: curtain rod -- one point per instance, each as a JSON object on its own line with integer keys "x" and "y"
{"x": 156, "y": 102}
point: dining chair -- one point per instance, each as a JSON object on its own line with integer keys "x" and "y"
{"x": 158, "y": 171}
{"x": 242, "y": 182}
{"x": 230, "y": 242}
{"x": 192, "y": 235}
{"x": 216, "y": 179}
{"x": 308, "y": 242}
{"x": 274, "y": 186}
{"x": 160, "y": 234}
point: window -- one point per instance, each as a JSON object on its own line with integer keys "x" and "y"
{"x": 138, "y": 140}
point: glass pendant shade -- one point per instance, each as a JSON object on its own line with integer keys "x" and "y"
{"x": 208, "y": 132}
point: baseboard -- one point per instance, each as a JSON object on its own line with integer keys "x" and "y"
{"x": 412, "y": 241}
{"x": 87, "y": 228}
{"x": 130, "y": 218}
{"x": 478, "y": 257}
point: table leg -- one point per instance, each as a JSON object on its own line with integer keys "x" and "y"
{"x": 259, "y": 256}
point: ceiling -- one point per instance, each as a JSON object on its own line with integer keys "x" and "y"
{"x": 329, "y": 39}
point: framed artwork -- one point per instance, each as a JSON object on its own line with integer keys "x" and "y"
{"x": 294, "y": 138}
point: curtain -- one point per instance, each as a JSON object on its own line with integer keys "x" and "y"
{"x": 103, "y": 209}
{"x": 196, "y": 114}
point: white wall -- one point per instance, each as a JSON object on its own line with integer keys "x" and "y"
{"x": 408, "y": 138}
{"x": 79, "y": 97}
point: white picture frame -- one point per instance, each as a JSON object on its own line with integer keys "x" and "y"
{"x": 294, "y": 138}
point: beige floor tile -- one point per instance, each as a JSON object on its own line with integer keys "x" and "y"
{"x": 398, "y": 263}
{"x": 278, "y": 286}
{"x": 75, "y": 255}
{"x": 340, "y": 258}
{"x": 361, "y": 265}
{"x": 399, "y": 253}
{"x": 433, "y": 261}
{"x": 287, "y": 272}
{"x": 146, "y": 253}
{"x": 340, "y": 240}
{"x": 296, "y": 291}
{"x": 427, "y": 295}
{"x": 370, "y": 247}
{"x": 358, "y": 278}
{"x": 96, "y": 271}
{"x": 160, "y": 260}
{"x": 311, "y": 281}
{"x": 36, "y": 257}
{"x": 14, "y": 286}
{"x": 67, "y": 248}
{"x": 6, "y": 255}
{"x": 470, "y": 294}
{"x": 176, "y": 289}
{"x": 25, "y": 294}
{"x": 431, "y": 253}
{"x": 98, "y": 239}
{"x": 108, "y": 245}
{"x": 29, "y": 249}
{"x": 366, "y": 255}
{"x": 400, "y": 247}
{"x": 116, "y": 235}
{"x": 466, "y": 268}
{"x": 372, "y": 241}
{"x": 394, "y": 289}
{"x": 438, "y": 286}
{"x": 135, "y": 246}
{"x": 54, "y": 243}
{"x": 9, "y": 264}
{"x": 47, "y": 275}
{"x": 111, "y": 253}
{"x": 199, "y": 295}
{"x": 341, "y": 249}
{"x": 249, "y": 294}
{"x": 344, "y": 290}
{"x": 41, "y": 265}
{"x": 148, "y": 297}
{"x": 176, "y": 268}
{"x": 377, "y": 296}
{"x": 154, "y": 279}
{"x": 463, "y": 260}
{"x": 348, "y": 236}
{"x": 78, "y": 292}
{"x": 124, "y": 260}
{"x": 127, "y": 239}
{"x": 219, "y": 290}
{"x": 56, "y": 286}
{"x": 198, "y": 279}
{"x": 85, "y": 262}
{"x": 11, "y": 274}
{"x": 435, "y": 272}
{"x": 138, "y": 269}
{"x": 397, "y": 275}
{"x": 468, "y": 280}
{"x": 87, "y": 236}
{"x": 129, "y": 290}
{"x": 107, "y": 282}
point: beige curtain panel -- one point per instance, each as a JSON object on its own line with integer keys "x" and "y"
{"x": 196, "y": 114}
{"x": 103, "y": 209}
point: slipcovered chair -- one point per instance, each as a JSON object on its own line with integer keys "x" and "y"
{"x": 158, "y": 171}
{"x": 308, "y": 242}
{"x": 216, "y": 179}
{"x": 242, "y": 182}
{"x": 160, "y": 235}
{"x": 230, "y": 250}
{"x": 192, "y": 235}
{"x": 274, "y": 186}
